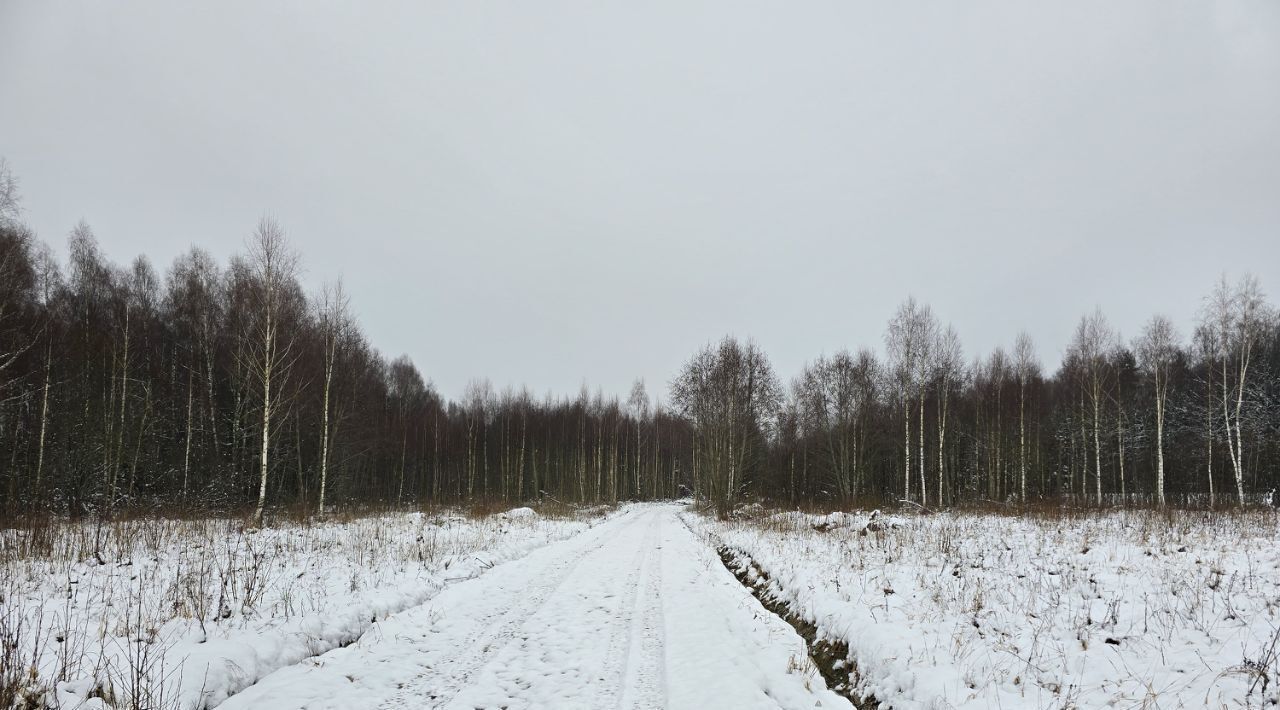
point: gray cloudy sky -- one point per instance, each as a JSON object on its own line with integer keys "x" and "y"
{"x": 547, "y": 192}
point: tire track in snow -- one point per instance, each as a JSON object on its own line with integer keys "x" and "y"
{"x": 504, "y": 623}
{"x": 644, "y": 678}
{"x": 580, "y": 625}
{"x": 622, "y": 642}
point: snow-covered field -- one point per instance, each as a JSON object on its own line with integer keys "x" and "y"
{"x": 634, "y": 608}
{"x": 183, "y": 614}
{"x": 1106, "y": 609}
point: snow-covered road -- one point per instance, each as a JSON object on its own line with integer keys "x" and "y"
{"x": 634, "y": 613}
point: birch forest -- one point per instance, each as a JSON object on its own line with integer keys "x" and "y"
{"x": 212, "y": 386}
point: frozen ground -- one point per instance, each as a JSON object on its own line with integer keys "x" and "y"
{"x": 1115, "y": 609}
{"x": 637, "y": 612}
{"x": 183, "y": 614}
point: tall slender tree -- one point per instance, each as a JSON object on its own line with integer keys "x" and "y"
{"x": 908, "y": 338}
{"x": 1093, "y": 342}
{"x": 270, "y": 346}
{"x": 948, "y": 367}
{"x": 1026, "y": 365}
{"x": 1157, "y": 350}
{"x": 334, "y": 318}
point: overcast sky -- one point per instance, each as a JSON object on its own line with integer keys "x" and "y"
{"x": 551, "y": 192}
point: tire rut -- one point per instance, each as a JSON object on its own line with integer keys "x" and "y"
{"x": 421, "y": 691}
{"x": 644, "y": 683}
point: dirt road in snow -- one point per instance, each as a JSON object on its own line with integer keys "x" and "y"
{"x": 634, "y": 613}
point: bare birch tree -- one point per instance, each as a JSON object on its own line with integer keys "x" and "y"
{"x": 269, "y": 349}
{"x": 1026, "y": 365}
{"x": 1234, "y": 319}
{"x": 948, "y": 367}
{"x": 1093, "y": 343}
{"x": 1157, "y": 349}
{"x": 638, "y": 404}
{"x": 730, "y": 394}
{"x": 907, "y": 340}
{"x": 334, "y": 318}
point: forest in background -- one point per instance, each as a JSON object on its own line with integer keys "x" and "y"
{"x": 228, "y": 387}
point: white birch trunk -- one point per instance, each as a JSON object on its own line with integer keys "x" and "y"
{"x": 1022, "y": 441}
{"x": 906, "y": 446}
{"x": 1160, "y": 400}
{"x": 324, "y": 430}
{"x": 1239, "y": 451}
{"x": 924, "y": 484}
{"x": 267, "y": 362}
{"x": 1097, "y": 445}
{"x": 44, "y": 413}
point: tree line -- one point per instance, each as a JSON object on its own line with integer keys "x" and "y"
{"x": 225, "y": 387}
{"x": 1193, "y": 418}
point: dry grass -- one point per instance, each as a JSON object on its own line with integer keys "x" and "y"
{"x": 1018, "y": 600}
{"x": 109, "y": 600}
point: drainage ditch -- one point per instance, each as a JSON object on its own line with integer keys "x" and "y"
{"x": 831, "y": 658}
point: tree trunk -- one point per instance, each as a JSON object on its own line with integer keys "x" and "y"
{"x": 1022, "y": 440}
{"x": 1239, "y": 470}
{"x": 267, "y": 405}
{"x": 1226, "y": 420}
{"x": 1120, "y": 443}
{"x": 942, "y": 436}
{"x": 1209, "y": 436}
{"x": 44, "y": 414}
{"x": 186, "y": 454}
{"x": 324, "y": 431}
{"x": 1097, "y": 446}
{"x": 906, "y": 446}
{"x": 924, "y": 484}
{"x": 1160, "y": 444}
